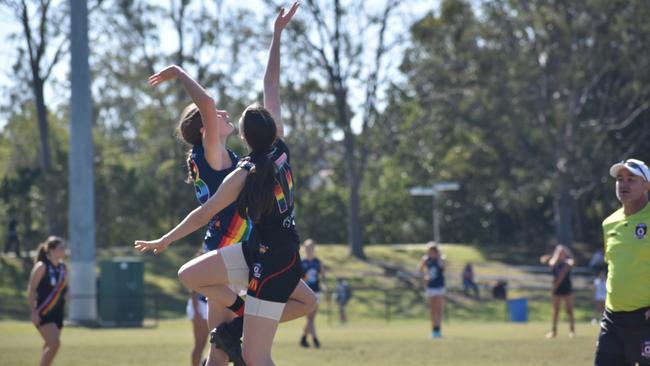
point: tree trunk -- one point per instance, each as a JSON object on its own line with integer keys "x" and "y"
{"x": 563, "y": 218}
{"x": 44, "y": 154}
{"x": 355, "y": 236}
{"x": 562, "y": 199}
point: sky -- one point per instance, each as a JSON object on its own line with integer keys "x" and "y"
{"x": 9, "y": 25}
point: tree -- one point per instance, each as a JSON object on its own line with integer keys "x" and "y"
{"x": 521, "y": 96}
{"x": 135, "y": 119}
{"x": 43, "y": 49}
{"x": 336, "y": 40}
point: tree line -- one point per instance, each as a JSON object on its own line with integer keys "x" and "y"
{"x": 525, "y": 104}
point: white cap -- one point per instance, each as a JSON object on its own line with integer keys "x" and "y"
{"x": 636, "y": 167}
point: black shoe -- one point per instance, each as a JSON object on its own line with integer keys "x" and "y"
{"x": 223, "y": 339}
{"x": 316, "y": 343}
{"x": 303, "y": 342}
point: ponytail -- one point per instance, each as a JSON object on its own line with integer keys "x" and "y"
{"x": 188, "y": 131}
{"x": 50, "y": 243}
{"x": 42, "y": 253}
{"x": 257, "y": 197}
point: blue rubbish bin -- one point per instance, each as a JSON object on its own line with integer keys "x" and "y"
{"x": 518, "y": 310}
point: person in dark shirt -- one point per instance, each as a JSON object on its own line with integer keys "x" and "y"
{"x": 314, "y": 277}
{"x": 561, "y": 263}
{"x": 468, "y": 280}
{"x": 342, "y": 295}
{"x": 432, "y": 268}
{"x": 205, "y": 129}
{"x": 47, "y": 294}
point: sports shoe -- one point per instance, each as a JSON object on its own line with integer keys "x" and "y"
{"x": 303, "y": 342}
{"x": 316, "y": 343}
{"x": 223, "y": 338}
{"x": 436, "y": 334}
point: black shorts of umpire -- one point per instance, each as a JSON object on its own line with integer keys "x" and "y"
{"x": 624, "y": 339}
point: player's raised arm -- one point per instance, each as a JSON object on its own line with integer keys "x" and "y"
{"x": 206, "y": 104}
{"x": 200, "y": 216}
{"x": 272, "y": 74}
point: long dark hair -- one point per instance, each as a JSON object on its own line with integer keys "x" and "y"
{"x": 188, "y": 131}
{"x": 257, "y": 198}
{"x": 50, "y": 243}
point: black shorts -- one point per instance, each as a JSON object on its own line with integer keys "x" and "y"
{"x": 273, "y": 272}
{"x": 624, "y": 339}
{"x": 564, "y": 289}
{"x": 55, "y": 317}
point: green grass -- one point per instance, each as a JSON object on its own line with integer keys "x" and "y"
{"x": 475, "y": 331}
{"x": 361, "y": 342}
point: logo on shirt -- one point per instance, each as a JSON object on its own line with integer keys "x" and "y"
{"x": 645, "y": 349}
{"x": 640, "y": 231}
{"x": 257, "y": 270}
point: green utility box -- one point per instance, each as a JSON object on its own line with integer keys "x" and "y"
{"x": 121, "y": 292}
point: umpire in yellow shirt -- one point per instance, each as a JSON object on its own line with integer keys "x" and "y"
{"x": 625, "y": 328}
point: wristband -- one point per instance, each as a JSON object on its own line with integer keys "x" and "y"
{"x": 246, "y": 165}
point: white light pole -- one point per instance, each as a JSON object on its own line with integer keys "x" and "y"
{"x": 434, "y": 191}
{"x": 81, "y": 225}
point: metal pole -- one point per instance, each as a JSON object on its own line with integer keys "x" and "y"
{"x": 81, "y": 222}
{"x": 436, "y": 220}
{"x": 433, "y": 191}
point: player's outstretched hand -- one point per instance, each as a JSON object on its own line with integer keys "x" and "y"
{"x": 158, "y": 246}
{"x": 283, "y": 19}
{"x": 168, "y": 73}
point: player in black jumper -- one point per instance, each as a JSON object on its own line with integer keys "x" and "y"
{"x": 206, "y": 129}
{"x": 46, "y": 295}
{"x": 432, "y": 266}
{"x": 561, "y": 263}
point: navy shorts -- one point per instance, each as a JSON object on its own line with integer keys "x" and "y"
{"x": 274, "y": 273}
{"x": 55, "y": 317}
{"x": 564, "y": 289}
{"x": 624, "y": 339}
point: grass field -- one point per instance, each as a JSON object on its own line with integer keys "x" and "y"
{"x": 362, "y": 342}
{"x": 474, "y": 331}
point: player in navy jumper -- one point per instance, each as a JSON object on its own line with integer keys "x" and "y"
{"x": 206, "y": 129}
{"x": 47, "y": 294}
{"x": 313, "y": 274}
{"x": 432, "y": 267}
